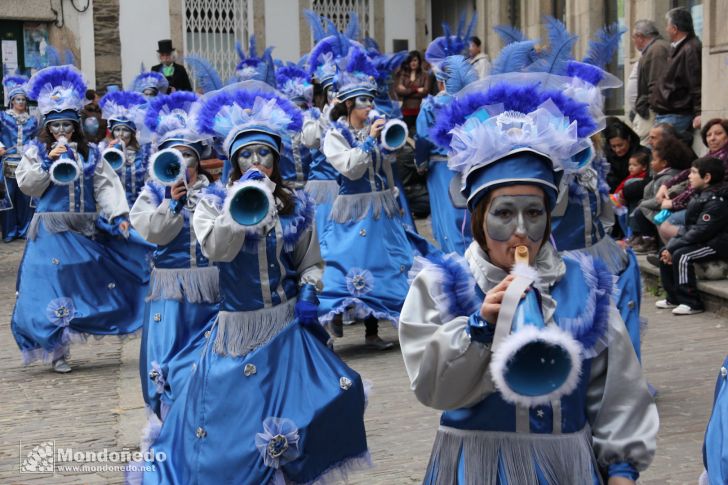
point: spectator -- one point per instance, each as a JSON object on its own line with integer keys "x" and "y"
{"x": 676, "y": 97}
{"x": 94, "y": 126}
{"x": 703, "y": 238}
{"x": 622, "y": 143}
{"x": 654, "y": 54}
{"x": 412, "y": 86}
{"x": 477, "y": 58}
{"x": 176, "y": 74}
{"x": 629, "y": 192}
{"x": 669, "y": 156}
{"x": 675, "y": 194}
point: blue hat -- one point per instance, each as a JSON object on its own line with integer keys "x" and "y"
{"x": 65, "y": 115}
{"x": 14, "y": 86}
{"x": 123, "y": 108}
{"x": 356, "y": 76}
{"x": 250, "y": 136}
{"x": 169, "y": 118}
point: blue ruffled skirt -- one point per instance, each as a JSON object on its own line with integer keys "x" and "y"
{"x": 70, "y": 285}
{"x": 14, "y": 220}
{"x": 450, "y": 225}
{"x": 238, "y": 418}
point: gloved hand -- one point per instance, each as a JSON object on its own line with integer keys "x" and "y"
{"x": 253, "y": 174}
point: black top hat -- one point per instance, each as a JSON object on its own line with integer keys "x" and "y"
{"x": 165, "y": 46}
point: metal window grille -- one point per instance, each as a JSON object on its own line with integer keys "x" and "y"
{"x": 211, "y": 29}
{"x": 338, "y": 11}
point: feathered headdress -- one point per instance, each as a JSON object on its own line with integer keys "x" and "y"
{"x": 456, "y": 72}
{"x": 15, "y": 85}
{"x": 123, "y": 108}
{"x": 60, "y": 92}
{"x": 206, "y": 76}
{"x": 449, "y": 44}
{"x": 356, "y": 75}
{"x": 235, "y": 113}
{"x": 293, "y": 81}
{"x": 252, "y": 67}
{"x": 151, "y": 80}
{"x": 169, "y": 117}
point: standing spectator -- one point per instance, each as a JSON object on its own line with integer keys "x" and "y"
{"x": 477, "y": 58}
{"x": 676, "y": 97}
{"x": 93, "y": 124}
{"x": 622, "y": 143}
{"x": 176, "y": 74}
{"x": 655, "y": 52}
{"x": 413, "y": 85}
{"x": 704, "y": 238}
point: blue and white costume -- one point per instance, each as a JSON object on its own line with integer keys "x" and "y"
{"x": 601, "y": 422}
{"x": 125, "y": 108}
{"x": 150, "y": 84}
{"x": 183, "y": 299}
{"x": 715, "y": 448}
{"x": 74, "y": 280}
{"x": 16, "y": 131}
{"x": 450, "y": 224}
{"x": 295, "y": 162}
{"x": 268, "y": 401}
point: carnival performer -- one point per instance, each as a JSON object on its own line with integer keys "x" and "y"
{"x": 268, "y": 401}
{"x": 365, "y": 244}
{"x": 73, "y": 280}
{"x": 715, "y": 448}
{"x": 183, "y": 297}
{"x": 450, "y": 224}
{"x": 17, "y": 129}
{"x": 540, "y": 388}
{"x": 150, "y": 84}
{"x": 123, "y": 110}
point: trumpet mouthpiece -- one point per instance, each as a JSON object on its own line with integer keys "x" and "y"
{"x": 522, "y": 254}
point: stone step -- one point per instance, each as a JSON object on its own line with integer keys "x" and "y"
{"x": 714, "y": 293}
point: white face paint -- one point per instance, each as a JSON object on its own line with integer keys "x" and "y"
{"x": 20, "y": 103}
{"x": 61, "y": 128}
{"x": 150, "y": 92}
{"x": 256, "y": 156}
{"x": 122, "y": 133}
{"x": 363, "y": 102}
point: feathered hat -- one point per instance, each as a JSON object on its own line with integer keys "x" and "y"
{"x": 123, "y": 108}
{"x": 169, "y": 117}
{"x": 331, "y": 46}
{"x": 151, "y": 81}
{"x": 450, "y": 44}
{"x": 60, "y": 92}
{"x": 456, "y": 72}
{"x": 294, "y": 82}
{"x": 356, "y": 75}
{"x": 245, "y": 113}
{"x": 15, "y": 85}
{"x": 252, "y": 67}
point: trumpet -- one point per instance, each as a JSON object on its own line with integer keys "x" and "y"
{"x": 65, "y": 170}
{"x": 250, "y": 202}
{"x": 394, "y": 133}
{"x": 114, "y": 155}
{"x": 167, "y": 167}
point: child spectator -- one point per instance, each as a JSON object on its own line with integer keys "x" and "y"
{"x": 629, "y": 192}
{"x": 703, "y": 238}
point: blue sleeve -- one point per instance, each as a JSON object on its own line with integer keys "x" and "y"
{"x": 480, "y": 330}
{"x": 623, "y": 469}
{"x": 422, "y": 143}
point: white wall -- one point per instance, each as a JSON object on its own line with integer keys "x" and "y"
{"x": 141, "y": 24}
{"x": 86, "y": 45}
{"x": 399, "y": 23}
{"x": 282, "y": 29}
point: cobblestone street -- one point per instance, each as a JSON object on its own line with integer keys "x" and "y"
{"x": 99, "y": 404}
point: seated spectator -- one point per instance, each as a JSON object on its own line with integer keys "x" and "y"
{"x": 622, "y": 143}
{"x": 703, "y": 238}
{"x": 629, "y": 192}
{"x": 675, "y": 194}
{"x": 669, "y": 156}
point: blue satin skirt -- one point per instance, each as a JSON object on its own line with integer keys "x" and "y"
{"x": 172, "y": 342}
{"x": 367, "y": 265}
{"x": 70, "y": 285}
{"x": 14, "y": 222}
{"x": 209, "y": 435}
{"x": 402, "y": 199}
{"x": 450, "y": 225}
{"x": 715, "y": 446}
{"x": 629, "y": 300}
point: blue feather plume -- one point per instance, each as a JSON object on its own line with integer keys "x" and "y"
{"x": 205, "y": 74}
{"x": 352, "y": 28}
{"x": 603, "y": 47}
{"x": 288, "y": 72}
{"x": 240, "y": 51}
{"x": 371, "y": 45}
{"x": 586, "y": 72}
{"x": 337, "y": 44}
{"x": 126, "y": 99}
{"x": 561, "y": 43}
{"x": 359, "y": 62}
{"x": 509, "y": 34}
{"x": 56, "y": 76}
{"x": 458, "y": 73}
{"x": 252, "y": 47}
{"x": 514, "y": 57}
{"x": 314, "y": 21}
{"x": 331, "y": 27}
{"x": 181, "y": 100}
{"x": 14, "y": 80}
{"x": 524, "y": 99}
{"x": 471, "y": 27}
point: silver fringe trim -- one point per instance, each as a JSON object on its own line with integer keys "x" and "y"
{"x": 322, "y": 191}
{"x": 196, "y": 285}
{"x": 55, "y": 222}
{"x": 563, "y": 458}
{"x": 239, "y": 333}
{"x": 608, "y": 251}
{"x": 355, "y": 207}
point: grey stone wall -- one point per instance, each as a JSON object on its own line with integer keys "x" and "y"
{"x": 107, "y": 43}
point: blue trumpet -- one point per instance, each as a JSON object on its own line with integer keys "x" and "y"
{"x": 394, "y": 133}
{"x": 114, "y": 155}
{"x": 167, "y": 166}
{"x": 64, "y": 171}
{"x": 249, "y": 205}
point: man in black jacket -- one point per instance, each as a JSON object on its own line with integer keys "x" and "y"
{"x": 703, "y": 238}
{"x": 676, "y": 98}
{"x": 176, "y": 74}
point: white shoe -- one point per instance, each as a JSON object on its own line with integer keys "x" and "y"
{"x": 61, "y": 366}
{"x": 685, "y": 310}
{"x": 664, "y": 304}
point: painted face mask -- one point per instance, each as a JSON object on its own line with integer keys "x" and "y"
{"x": 149, "y": 92}
{"x": 122, "y": 133}
{"x": 61, "y": 128}
{"x": 255, "y": 155}
{"x": 516, "y": 214}
{"x": 20, "y": 102}
{"x": 363, "y": 102}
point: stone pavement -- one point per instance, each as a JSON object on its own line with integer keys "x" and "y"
{"x": 99, "y": 404}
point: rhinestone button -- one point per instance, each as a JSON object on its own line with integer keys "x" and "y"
{"x": 345, "y": 383}
{"x": 56, "y": 261}
{"x": 401, "y": 268}
{"x": 111, "y": 286}
{"x": 723, "y": 371}
{"x": 157, "y": 317}
{"x": 539, "y": 413}
{"x": 249, "y": 370}
{"x": 200, "y": 433}
{"x": 631, "y": 305}
{"x": 207, "y": 334}
{"x": 363, "y": 233}
{"x": 153, "y": 375}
